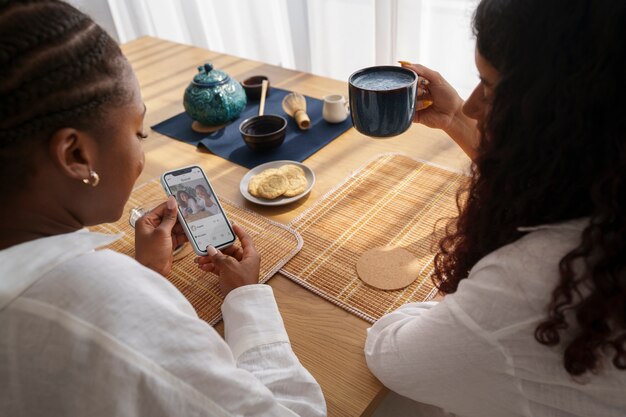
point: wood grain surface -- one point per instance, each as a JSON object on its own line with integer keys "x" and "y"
{"x": 328, "y": 340}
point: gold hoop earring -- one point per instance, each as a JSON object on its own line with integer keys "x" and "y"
{"x": 93, "y": 180}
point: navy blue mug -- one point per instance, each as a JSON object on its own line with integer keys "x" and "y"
{"x": 382, "y": 100}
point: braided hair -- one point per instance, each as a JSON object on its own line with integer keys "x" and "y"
{"x": 555, "y": 151}
{"x": 57, "y": 69}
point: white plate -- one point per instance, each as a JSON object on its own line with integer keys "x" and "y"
{"x": 280, "y": 201}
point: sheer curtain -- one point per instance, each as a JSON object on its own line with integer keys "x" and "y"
{"x": 332, "y": 38}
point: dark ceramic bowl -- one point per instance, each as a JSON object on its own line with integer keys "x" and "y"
{"x": 252, "y": 86}
{"x": 263, "y": 132}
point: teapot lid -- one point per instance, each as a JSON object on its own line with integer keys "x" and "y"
{"x": 209, "y": 77}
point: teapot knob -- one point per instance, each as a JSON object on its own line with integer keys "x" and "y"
{"x": 208, "y": 67}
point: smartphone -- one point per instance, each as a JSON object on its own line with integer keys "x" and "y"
{"x": 199, "y": 211}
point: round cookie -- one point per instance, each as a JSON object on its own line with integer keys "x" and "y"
{"x": 253, "y": 185}
{"x": 296, "y": 186}
{"x": 296, "y": 178}
{"x": 272, "y": 185}
{"x": 388, "y": 268}
{"x": 291, "y": 170}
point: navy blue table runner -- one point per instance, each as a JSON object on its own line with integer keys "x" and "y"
{"x": 228, "y": 143}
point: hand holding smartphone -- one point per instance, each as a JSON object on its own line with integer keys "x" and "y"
{"x": 199, "y": 211}
{"x": 243, "y": 271}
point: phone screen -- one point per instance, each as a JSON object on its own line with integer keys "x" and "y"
{"x": 204, "y": 218}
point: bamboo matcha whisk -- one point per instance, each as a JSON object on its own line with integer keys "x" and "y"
{"x": 294, "y": 104}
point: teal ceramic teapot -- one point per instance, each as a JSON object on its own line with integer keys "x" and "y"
{"x": 213, "y": 98}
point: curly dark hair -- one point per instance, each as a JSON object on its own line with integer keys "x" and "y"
{"x": 554, "y": 149}
{"x": 57, "y": 69}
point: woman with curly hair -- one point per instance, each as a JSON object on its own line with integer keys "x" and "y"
{"x": 533, "y": 322}
{"x": 87, "y": 332}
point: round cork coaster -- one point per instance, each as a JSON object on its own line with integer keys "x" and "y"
{"x": 388, "y": 268}
{"x": 200, "y": 128}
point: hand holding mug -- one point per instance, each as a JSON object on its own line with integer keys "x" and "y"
{"x": 437, "y": 103}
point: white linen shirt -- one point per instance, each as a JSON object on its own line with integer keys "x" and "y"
{"x": 212, "y": 209}
{"x": 474, "y": 354}
{"x": 94, "y": 333}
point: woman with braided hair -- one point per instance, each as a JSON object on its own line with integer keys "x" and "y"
{"x": 533, "y": 322}
{"x": 96, "y": 333}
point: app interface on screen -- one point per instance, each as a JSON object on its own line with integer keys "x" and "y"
{"x": 198, "y": 206}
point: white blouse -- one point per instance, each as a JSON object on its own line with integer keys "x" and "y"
{"x": 212, "y": 209}
{"x": 474, "y": 353}
{"x": 94, "y": 333}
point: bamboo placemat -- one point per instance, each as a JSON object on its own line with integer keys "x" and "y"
{"x": 393, "y": 200}
{"x": 275, "y": 243}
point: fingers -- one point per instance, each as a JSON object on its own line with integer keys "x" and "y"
{"x": 422, "y": 91}
{"x": 425, "y": 76}
{"x": 423, "y": 104}
{"x": 216, "y": 261}
{"x": 234, "y": 251}
{"x": 247, "y": 245}
{"x": 213, "y": 261}
{"x": 159, "y": 210}
{"x": 208, "y": 266}
{"x": 168, "y": 220}
{"x": 162, "y": 216}
{"x": 201, "y": 260}
{"x": 178, "y": 229}
{"x": 178, "y": 239}
{"x": 425, "y": 73}
{"x": 422, "y": 80}
{"x": 243, "y": 236}
{"x": 214, "y": 254}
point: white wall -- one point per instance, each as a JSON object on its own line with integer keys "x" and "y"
{"x": 99, "y": 11}
{"x": 437, "y": 33}
{"x": 332, "y": 38}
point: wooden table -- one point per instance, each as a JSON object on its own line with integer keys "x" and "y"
{"x": 328, "y": 340}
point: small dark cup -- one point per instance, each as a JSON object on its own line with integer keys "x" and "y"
{"x": 265, "y": 132}
{"x": 382, "y": 100}
{"x": 252, "y": 86}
